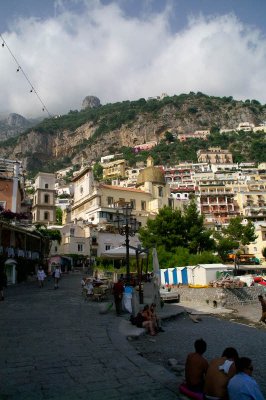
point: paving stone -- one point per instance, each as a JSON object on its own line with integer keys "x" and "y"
{"x": 70, "y": 351}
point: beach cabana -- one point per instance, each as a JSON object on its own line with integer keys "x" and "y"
{"x": 204, "y": 273}
{"x": 166, "y": 276}
{"x": 175, "y": 278}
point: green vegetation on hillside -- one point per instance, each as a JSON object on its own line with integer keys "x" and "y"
{"x": 245, "y": 146}
{"x": 193, "y": 108}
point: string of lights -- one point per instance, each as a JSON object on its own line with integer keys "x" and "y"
{"x": 20, "y": 69}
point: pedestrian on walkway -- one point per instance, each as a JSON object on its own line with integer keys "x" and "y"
{"x": 118, "y": 290}
{"x": 3, "y": 282}
{"x": 41, "y": 275}
{"x": 263, "y": 308}
{"x": 242, "y": 385}
{"x": 57, "y": 275}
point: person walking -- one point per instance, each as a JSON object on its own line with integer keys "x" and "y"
{"x": 242, "y": 385}
{"x": 3, "y": 282}
{"x": 118, "y": 290}
{"x": 263, "y": 308}
{"x": 41, "y": 275}
{"x": 57, "y": 275}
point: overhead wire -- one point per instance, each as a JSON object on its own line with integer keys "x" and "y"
{"x": 19, "y": 68}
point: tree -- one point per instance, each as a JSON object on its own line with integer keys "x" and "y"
{"x": 52, "y": 234}
{"x": 165, "y": 230}
{"x": 235, "y": 235}
{"x": 196, "y": 236}
{"x": 172, "y": 229}
{"x": 237, "y": 231}
{"x": 169, "y": 137}
{"x": 98, "y": 171}
{"x": 49, "y": 235}
{"x": 59, "y": 214}
{"x": 224, "y": 245}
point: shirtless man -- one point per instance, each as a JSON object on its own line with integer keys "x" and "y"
{"x": 263, "y": 308}
{"x": 147, "y": 321}
{"x": 196, "y": 367}
{"x": 219, "y": 372}
{"x": 156, "y": 320}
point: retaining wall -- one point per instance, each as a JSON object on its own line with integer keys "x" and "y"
{"x": 223, "y": 297}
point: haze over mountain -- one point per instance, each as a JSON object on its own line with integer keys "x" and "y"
{"x": 13, "y": 124}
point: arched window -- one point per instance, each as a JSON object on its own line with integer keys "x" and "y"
{"x": 46, "y": 198}
{"x": 160, "y": 191}
{"x": 46, "y": 215}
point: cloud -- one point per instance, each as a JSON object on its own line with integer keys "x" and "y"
{"x": 103, "y": 52}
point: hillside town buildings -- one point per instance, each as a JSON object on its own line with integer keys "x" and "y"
{"x": 222, "y": 189}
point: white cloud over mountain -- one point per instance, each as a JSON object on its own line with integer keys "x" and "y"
{"x": 105, "y": 53}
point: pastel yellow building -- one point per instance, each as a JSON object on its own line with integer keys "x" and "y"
{"x": 251, "y": 199}
{"x": 260, "y": 243}
{"x": 114, "y": 169}
{"x": 215, "y": 155}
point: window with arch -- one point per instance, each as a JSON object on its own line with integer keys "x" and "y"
{"x": 46, "y": 198}
{"x": 160, "y": 191}
{"x": 46, "y": 215}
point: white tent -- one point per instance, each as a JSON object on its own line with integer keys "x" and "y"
{"x": 120, "y": 252}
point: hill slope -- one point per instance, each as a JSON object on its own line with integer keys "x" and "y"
{"x": 91, "y": 133}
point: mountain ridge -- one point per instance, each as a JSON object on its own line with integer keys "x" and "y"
{"x": 92, "y": 133}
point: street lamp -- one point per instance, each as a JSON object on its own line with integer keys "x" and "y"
{"x": 127, "y": 226}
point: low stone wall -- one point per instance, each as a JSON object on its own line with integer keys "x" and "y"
{"x": 222, "y": 297}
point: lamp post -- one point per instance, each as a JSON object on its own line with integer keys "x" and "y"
{"x": 127, "y": 226}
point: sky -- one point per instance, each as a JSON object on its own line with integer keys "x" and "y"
{"x": 57, "y": 52}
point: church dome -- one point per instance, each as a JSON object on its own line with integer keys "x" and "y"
{"x": 151, "y": 174}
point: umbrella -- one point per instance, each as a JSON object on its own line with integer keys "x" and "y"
{"x": 10, "y": 261}
{"x": 120, "y": 252}
{"x": 156, "y": 266}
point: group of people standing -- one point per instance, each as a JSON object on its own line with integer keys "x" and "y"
{"x": 223, "y": 378}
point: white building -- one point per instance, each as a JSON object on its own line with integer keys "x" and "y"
{"x": 43, "y": 208}
{"x": 245, "y": 126}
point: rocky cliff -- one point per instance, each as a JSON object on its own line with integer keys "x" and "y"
{"x": 14, "y": 124}
{"x": 88, "y": 135}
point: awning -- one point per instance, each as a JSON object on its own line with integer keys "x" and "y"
{"x": 120, "y": 253}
